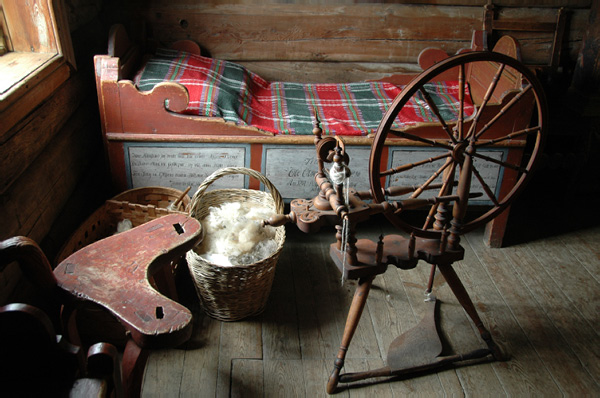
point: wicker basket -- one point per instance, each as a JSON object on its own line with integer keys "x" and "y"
{"x": 156, "y": 196}
{"x": 138, "y": 205}
{"x": 236, "y": 292}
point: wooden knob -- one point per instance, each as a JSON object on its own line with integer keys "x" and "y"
{"x": 279, "y": 220}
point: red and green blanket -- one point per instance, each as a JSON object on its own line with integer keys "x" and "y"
{"x": 227, "y": 90}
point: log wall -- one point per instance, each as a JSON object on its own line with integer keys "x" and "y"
{"x": 332, "y": 40}
{"x": 52, "y": 173}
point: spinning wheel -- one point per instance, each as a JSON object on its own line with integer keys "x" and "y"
{"x": 465, "y": 155}
{"x": 464, "y": 142}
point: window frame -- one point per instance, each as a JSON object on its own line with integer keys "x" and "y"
{"x": 40, "y": 56}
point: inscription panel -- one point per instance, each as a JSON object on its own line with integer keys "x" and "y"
{"x": 292, "y": 169}
{"x": 491, "y": 173}
{"x": 182, "y": 165}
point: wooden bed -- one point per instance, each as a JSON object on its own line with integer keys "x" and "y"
{"x": 149, "y": 141}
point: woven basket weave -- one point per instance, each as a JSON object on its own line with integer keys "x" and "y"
{"x": 138, "y": 205}
{"x": 156, "y": 196}
{"x": 236, "y": 292}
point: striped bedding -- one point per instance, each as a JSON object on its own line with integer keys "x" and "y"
{"x": 227, "y": 90}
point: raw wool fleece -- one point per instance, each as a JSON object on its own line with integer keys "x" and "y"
{"x": 124, "y": 225}
{"x": 233, "y": 234}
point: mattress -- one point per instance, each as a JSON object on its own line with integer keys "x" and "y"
{"x": 227, "y": 90}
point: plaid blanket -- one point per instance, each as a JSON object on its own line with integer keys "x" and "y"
{"x": 227, "y": 90}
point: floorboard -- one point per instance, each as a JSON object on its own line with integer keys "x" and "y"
{"x": 284, "y": 378}
{"x": 281, "y": 339}
{"x": 247, "y": 378}
{"x": 200, "y": 367}
{"x": 539, "y": 297}
{"x": 526, "y": 326}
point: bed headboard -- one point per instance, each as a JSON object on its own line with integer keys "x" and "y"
{"x": 128, "y": 52}
{"x": 508, "y": 83}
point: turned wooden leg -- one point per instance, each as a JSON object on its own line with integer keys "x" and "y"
{"x": 354, "y": 314}
{"x": 134, "y": 362}
{"x": 431, "y": 279}
{"x": 463, "y": 298}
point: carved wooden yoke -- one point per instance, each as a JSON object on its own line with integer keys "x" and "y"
{"x": 113, "y": 273}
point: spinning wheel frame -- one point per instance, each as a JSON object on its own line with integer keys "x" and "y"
{"x": 439, "y": 245}
{"x": 463, "y": 141}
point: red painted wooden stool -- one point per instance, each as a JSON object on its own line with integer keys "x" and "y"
{"x": 114, "y": 273}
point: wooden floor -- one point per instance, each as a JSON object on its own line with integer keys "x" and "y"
{"x": 540, "y": 298}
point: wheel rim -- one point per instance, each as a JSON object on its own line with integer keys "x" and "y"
{"x": 465, "y": 144}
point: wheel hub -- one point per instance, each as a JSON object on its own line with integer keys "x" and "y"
{"x": 458, "y": 152}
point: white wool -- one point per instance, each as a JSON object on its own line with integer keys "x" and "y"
{"x": 234, "y": 234}
{"x": 124, "y": 225}
{"x": 218, "y": 259}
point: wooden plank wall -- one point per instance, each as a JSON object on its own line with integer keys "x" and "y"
{"x": 332, "y": 40}
{"x": 54, "y": 154}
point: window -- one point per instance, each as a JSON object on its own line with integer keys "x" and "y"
{"x": 38, "y": 58}
{"x": 2, "y": 42}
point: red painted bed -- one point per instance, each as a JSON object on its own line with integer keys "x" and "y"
{"x": 151, "y": 137}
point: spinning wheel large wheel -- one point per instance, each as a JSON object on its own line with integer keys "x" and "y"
{"x": 466, "y": 141}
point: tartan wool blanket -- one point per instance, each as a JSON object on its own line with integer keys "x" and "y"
{"x": 224, "y": 89}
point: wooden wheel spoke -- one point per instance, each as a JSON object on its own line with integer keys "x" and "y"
{"x": 461, "y": 100}
{"x": 430, "y": 216}
{"x": 502, "y": 111}
{"x": 409, "y": 166}
{"x": 435, "y": 175}
{"x": 427, "y": 141}
{"x": 510, "y": 136}
{"x": 449, "y": 180}
{"x": 485, "y": 186}
{"x": 501, "y": 163}
{"x": 486, "y": 98}
{"x": 403, "y": 190}
{"x": 437, "y": 113}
